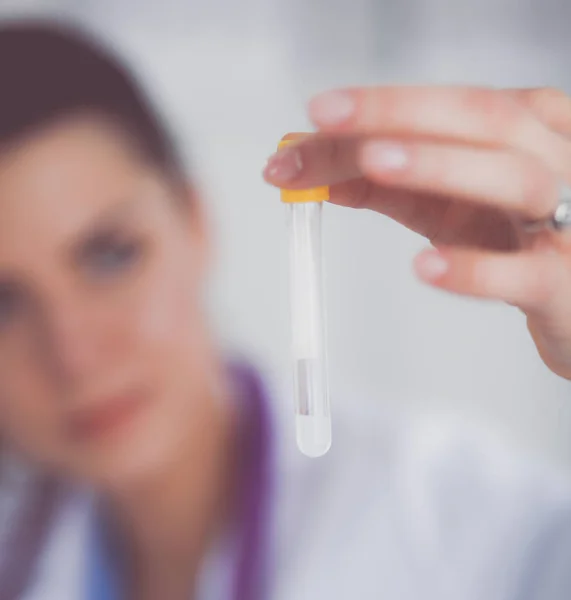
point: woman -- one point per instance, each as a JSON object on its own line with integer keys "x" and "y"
{"x": 139, "y": 464}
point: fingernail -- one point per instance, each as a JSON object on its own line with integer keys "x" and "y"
{"x": 431, "y": 265}
{"x": 385, "y": 156}
{"x": 284, "y": 166}
{"x": 331, "y": 108}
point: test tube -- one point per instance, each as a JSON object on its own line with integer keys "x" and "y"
{"x": 311, "y": 390}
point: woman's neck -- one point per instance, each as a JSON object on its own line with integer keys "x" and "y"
{"x": 169, "y": 523}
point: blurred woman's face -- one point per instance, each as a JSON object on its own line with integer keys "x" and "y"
{"x": 103, "y": 361}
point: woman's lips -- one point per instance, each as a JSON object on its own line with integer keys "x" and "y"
{"x": 108, "y": 416}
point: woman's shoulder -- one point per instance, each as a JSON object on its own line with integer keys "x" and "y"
{"x": 60, "y": 572}
{"x": 433, "y": 492}
{"x": 44, "y": 532}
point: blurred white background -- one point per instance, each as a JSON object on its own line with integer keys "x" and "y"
{"x": 233, "y": 76}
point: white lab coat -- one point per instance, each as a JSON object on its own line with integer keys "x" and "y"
{"x": 400, "y": 509}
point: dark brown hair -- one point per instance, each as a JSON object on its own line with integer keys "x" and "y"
{"x": 49, "y": 72}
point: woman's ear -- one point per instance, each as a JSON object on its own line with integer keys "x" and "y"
{"x": 199, "y": 228}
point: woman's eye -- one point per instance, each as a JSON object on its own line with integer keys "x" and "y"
{"x": 110, "y": 257}
{"x": 11, "y": 302}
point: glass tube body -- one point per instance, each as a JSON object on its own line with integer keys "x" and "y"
{"x": 311, "y": 390}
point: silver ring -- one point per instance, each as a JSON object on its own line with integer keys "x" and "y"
{"x": 561, "y": 217}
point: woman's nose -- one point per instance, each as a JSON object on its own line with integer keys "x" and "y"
{"x": 74, "y": 341}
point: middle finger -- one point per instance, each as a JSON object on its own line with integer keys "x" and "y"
{"x": 507, "y": 180}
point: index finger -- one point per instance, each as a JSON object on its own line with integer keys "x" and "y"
{"x": 465, "y": 115}
{"x": 551, "y": 106}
